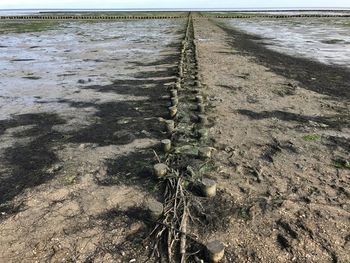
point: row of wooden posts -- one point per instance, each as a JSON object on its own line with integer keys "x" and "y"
{"x": 215, "y": 248}
{"x": 85, "y": 17}
{"x": 280, "y": 16}
{"x": 79, "y": 17}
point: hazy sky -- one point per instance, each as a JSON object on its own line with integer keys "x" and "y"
{"x": 170, "y": 3}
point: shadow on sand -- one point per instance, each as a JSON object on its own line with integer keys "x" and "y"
{"x": 117, "y": 123}
{"x": 321, "y": 78}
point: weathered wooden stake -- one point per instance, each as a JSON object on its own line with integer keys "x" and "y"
{"x": 216, "y": 250}
{"x": 154, "y": 209}
{"x": 201, "y": 107}
{"x": 174, "y": 101}
{"x": 203, "y": 133}
{"x": 173, "y": 93}
{"x": 202, "y": 119}
{"x": 166, "y": 143}
{"x": 199, "y": 98}
{"x": 170, "y": 126}
{"x": 172, "y": 111}
{"x": 197, "y": 83}
{"x": 208, "y": 187}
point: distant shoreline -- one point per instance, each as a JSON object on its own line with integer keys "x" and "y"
{"x": 43, "y": 11}
{"x": 276, "y": 9}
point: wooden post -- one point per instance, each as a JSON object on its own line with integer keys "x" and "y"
{"x": 172, "y": 111}
{"x": 202, "y": 119}
{"x": 203, "y": 133}
{"x": 208, "y": 187}
{"x": 216, "y": 250}
{"x": 154, "y": 209}
{"x": 173, "y": 93}
{"x": 199, "y": 99}
{"x": 174, "y": 101}
{"x": 170, "y": 126}
{"x": 166, "y": 143}
{"x": 201, "y": 107}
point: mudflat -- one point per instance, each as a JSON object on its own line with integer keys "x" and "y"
{"x": 82, "y": 113}
{"x": 282, "y": 138}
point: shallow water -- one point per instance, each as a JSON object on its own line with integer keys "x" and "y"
{"x": 326, "y": 40}
{"x": 340, "y": 12}
{"x": 53, "y": 65}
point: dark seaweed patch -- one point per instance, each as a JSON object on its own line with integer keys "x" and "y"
{"x": 313, "y": 75}
{"x": 26, "y": 163}
{"x": 332, "y": 121}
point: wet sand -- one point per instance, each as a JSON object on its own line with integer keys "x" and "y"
{"x": 326, "y": 40}
{"x": 76, "y": 142}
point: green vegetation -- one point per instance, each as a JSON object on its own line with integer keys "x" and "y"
{"x": 346, "y": 24}
{"x": 312, "y": 137}
{"x": 26, "y": 26}
{"x": 187, "y": 149}
{"x": 244, "y": 213}
{"x": 207, "y": 167}
{"x": 69, "y": 180}
{"x": 341, "y": 164}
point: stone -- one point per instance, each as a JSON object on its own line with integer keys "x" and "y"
{"x": 160, "y": 170}
{"x": 154, "y": 208}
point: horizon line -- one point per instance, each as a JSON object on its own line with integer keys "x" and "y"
{"x": 311, "y": 8}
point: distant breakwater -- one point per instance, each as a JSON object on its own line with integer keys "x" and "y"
{"x": 82, "y": 17}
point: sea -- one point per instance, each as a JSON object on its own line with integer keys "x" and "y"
{"x": 16, "y": 12}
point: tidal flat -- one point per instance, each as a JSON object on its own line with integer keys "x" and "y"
{"x": 261, "y": 112}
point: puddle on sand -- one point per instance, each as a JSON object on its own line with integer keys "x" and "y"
{"x": 53, "y": 65}
{"x": 326, "y": 40}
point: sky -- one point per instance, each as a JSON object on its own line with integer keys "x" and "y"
{"x": 8, "y": 4}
